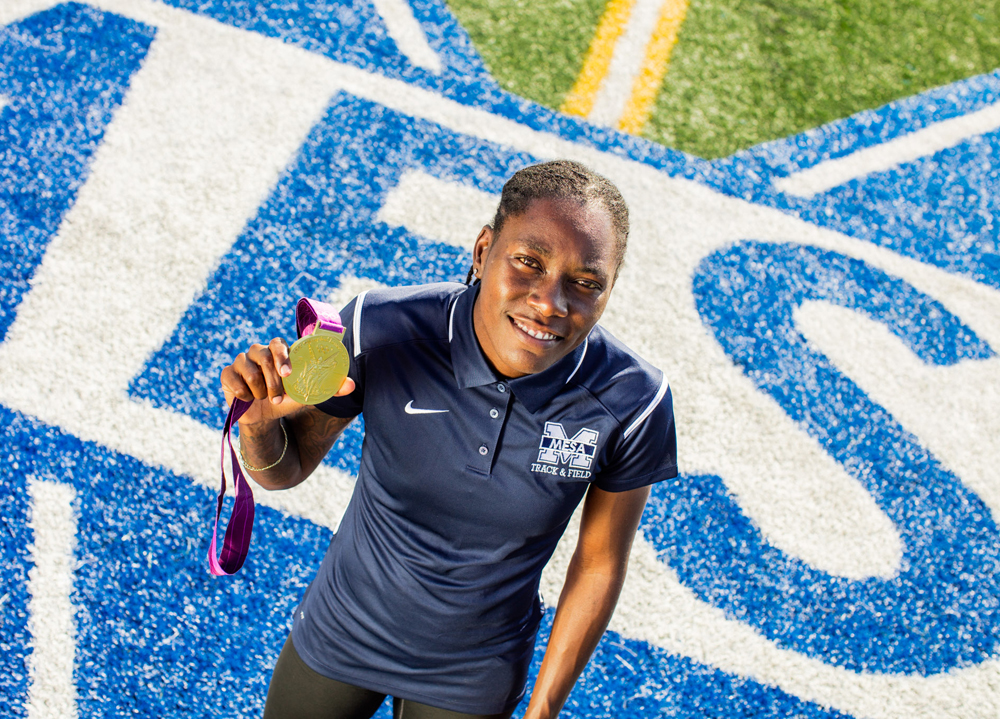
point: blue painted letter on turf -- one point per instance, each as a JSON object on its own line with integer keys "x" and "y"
{"x": 940, "y": 611}
{"x": 63, "y": 72}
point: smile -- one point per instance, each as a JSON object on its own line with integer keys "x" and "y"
{"x": 536, "y": 334}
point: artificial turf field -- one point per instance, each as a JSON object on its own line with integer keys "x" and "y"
{"x": 743, "y": 72}
{"x": 814, "y": 263}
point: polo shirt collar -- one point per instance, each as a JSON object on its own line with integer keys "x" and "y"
{"x": 467, "y": 358}
{"x": 471, "y": 369}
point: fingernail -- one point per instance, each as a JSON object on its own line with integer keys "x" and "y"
{"x": 276, "y": 400}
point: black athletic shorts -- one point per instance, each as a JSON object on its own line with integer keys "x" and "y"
{"x": 298, "y": 692}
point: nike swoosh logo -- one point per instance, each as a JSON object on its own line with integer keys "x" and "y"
{"x": 410, "y": 409}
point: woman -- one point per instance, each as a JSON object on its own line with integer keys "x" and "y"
{"x": 491, "y": 409}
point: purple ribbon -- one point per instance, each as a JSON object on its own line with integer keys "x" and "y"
{"x": 236, "y": 544}
{"x": 309, "y": 312}
{"x": 240, "y": 528}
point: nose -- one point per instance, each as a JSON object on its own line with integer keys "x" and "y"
{"x": 548, "y": 297}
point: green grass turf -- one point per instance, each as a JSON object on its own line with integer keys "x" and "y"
{"x": 534, "y": 48}
{"x": 746, "y": 71}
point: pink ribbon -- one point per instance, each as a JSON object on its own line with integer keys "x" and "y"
{"x": 310, "y": 312}
{"x": 240, "y": 528}
{"x": 236, "y": 544}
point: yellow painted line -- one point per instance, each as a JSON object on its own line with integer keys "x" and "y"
{"x": 654, "y": 67}
{"x": 580, "y": 100}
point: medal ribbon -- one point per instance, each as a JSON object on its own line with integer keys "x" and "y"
{"x": 236, "y": 545}
{"x": 309, "y": 313}
{"x": 237, "y": 542}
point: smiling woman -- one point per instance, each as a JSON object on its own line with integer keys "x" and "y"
{"x": 492, "y": 410}
{"x": 547, "y": 265}
{"x": 546, "y": 280}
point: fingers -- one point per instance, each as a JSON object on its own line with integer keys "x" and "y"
{"x": 270, "y": 361}
{"x": 346, "y": 388}
{"x": 279, "y": 351}
{"x": 238, "y": 379}
{"x": 256, "y": 373}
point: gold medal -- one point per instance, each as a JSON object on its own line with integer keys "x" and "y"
{"x": 319, "y": 365}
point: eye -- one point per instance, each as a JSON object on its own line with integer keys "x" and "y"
{"x": 529, "y": 262}
{"x": 589, "y": 285}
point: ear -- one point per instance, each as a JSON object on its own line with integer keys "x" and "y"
{"x": 481, "y": 249}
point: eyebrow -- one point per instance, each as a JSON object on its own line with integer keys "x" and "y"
{"x": 540, "y": 249}
{"x": 547, "y": 253}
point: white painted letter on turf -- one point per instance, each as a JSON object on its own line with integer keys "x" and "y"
{"x": 51, "y": 691}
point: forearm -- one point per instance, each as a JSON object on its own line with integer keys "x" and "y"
{"x": 263, "y": 445}
{"x": 585, "y": 607}
{"x": 310, "y": 435}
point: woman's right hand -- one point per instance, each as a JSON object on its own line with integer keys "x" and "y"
{"x": 255, "y": 376}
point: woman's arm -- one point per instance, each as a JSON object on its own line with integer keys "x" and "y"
{"x": 593, "y": 582}
{"x": 255, "y": 376}
{"x": 311, "y": 434}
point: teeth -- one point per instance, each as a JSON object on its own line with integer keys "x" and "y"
{"x": 537, "y": 335}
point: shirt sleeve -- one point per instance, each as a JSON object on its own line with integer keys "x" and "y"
{"x": 647, "y": 454}
{"x": 353, "y": 404}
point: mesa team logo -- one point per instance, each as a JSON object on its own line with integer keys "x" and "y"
{"x": 557, "y": 449}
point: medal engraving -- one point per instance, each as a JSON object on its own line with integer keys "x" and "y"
{"x": 319, "y": 365}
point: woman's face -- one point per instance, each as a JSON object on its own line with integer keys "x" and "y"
{"x": 546, "y": 278}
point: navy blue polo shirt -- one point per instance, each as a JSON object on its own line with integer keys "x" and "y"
{"x": 429, "y": 590}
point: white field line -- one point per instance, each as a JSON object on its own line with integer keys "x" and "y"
{"x": 407, "y": 33}
{"x": 349, "y": 288}
{"x": 14, "y": 10}
{"x": 446, "y": 211}
{"x": 402, "y": 26}
{"x": 879, "y": 158}
{"x": 51, "y": 621}
{"x": 191, "y": 160}
{"x": 626, "y": 63}
{"x": 706, "y": 635}
{"x": 822, "y": 513}
{"x": 957, "y": 419}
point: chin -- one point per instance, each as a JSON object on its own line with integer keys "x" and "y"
{"x": 522, "y": 359}
{"x": 532, "y": 364}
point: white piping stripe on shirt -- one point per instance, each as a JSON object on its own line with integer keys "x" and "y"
{"x": 357, "y": 322}
{"x": 660, "y": 393}
{"x": 580, "y": 362}
{"x": 451, "y": 317}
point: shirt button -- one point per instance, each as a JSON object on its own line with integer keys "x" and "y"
{"x": 494, "y": 413}
{"x": 501, "y": 388}
{"x": 483, "y": 450}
